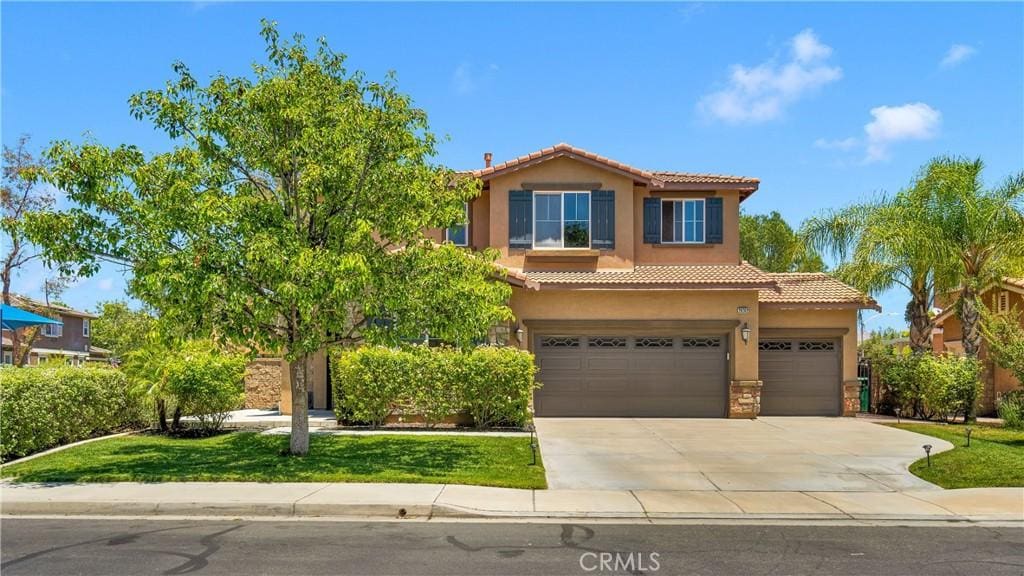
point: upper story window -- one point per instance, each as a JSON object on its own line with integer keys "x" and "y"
{"x": 53, "y": 330}
{"x": 682, "y": 221}
{"x": 1003, "y": 302}
{"x": 86, "y": 327}
{"x": 459, "y": 233}
{"x": 561, "y": 220}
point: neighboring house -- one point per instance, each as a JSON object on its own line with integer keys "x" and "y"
{"x": 629, "y": 288}
{"x": 947, "y": 337}
{"x": 69, "y": 343}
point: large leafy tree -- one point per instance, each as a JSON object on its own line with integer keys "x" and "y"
{"x": 769, "y": 242}
{"x": 279, "y": 219}
{"x": 121, "y": 329}
{"x": 883, "y": 243}
{"x": 19, "y": 196}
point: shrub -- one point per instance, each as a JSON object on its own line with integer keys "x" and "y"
{"x": 493, "y": 385}
{"x": 205, "y": 384}
{"x": 43, "y": 407}
{"x": 369, "y": 381}
{"x": 498, "y": 386}
{"x": 1011, "y": 409}
{"x": 930, "y": 387}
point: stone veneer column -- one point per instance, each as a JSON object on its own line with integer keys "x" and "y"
{"x": 744, "y": 398}
{"x": 851, "y": 397}
{"x": 263, "y": 382}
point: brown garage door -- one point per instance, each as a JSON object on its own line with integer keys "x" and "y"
{"x": 801, "y": 377}
{"x": 631, "y": 376}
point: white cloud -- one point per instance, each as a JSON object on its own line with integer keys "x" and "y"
{"x": 763, "y": 92}
{"x": 466, "y": 79}
{"x": 845, "y": 144}
{"x": 957, "y": 54}
{"x": 916, "y": 121}
{"x": 105, "y": 284}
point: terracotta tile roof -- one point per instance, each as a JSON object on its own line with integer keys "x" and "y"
{"x": 1018, "y": 282}
{"x": 809, "y": 288}
{"x": 698, "y": 276}
{"x": 25, "y": 301}
{"x": 657, "y": 179}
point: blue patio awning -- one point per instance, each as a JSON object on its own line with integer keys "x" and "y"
{"x": 13, "y": 318}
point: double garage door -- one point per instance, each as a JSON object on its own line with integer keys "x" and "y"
{"x": 634, "y": 375}
{"x": 631, "y": 375}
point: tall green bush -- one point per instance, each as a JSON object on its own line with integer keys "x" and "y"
{"x": 205, "y": 384}
{"x": 931, "y": 387}
{"x": 43, "y": 407}
{"x": 492, "y": 385}
{"x": 1011, "y": 409}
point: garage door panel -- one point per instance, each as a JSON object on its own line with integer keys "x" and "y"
{"x": 638, "y": 376}
{"x": 801, "y": 377}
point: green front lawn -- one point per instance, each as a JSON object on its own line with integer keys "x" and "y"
{"x": 246, "y": 456}
{"x": 995, "y": 457}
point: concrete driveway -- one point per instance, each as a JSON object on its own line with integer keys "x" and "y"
{"x": 767, "y": 454}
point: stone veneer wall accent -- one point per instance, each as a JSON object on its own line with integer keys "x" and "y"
{"x": 263, "y": 378}
{"x": 851, "y": 397}
{"x": 744, "y": 398}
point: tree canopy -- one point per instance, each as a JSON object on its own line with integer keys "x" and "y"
{"x": 121, "y": 329}
{"x": 290, "y": 212}
{"x": 768, "y": 242}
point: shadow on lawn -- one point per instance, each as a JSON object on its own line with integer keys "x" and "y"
{"x": 248, "y": 456}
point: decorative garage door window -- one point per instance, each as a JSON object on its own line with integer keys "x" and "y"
{"x": 702, "y": 342}
{"x": 817, "y": 345}
{"x": 560, "y": 342}
{"x": 606, "y": 342}
{"x": 649, "y": 342}
{"x": 774, "y": 346}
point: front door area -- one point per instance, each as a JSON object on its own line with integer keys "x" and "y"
{"x": 631, "y": 375}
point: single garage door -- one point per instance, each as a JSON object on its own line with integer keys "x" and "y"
{"x": 801, "y": 377}
{"x": 631, "y": 376}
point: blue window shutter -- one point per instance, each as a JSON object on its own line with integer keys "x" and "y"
{"x": 652, "y": 220}
{"x": 713, "y": 227}
{"x": 520, "y": 219}
{"x": 602, "y": 219}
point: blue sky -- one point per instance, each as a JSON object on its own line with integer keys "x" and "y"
{"x": 825, "y": 104}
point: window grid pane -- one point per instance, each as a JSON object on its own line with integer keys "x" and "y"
{"x": 577, "y": 220}
{"x": 548, "y": 226}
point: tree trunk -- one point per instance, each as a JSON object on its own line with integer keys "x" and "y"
{"x": 161, "y": 415}
{"x": 920, "y": 325}
{"x": 299, "y": 372}
{"x": 970, "y": 333}
{"x": 176, "y": 419}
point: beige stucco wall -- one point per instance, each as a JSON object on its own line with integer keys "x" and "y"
{"x": 728, "y": 252}
{"x": 647, "y": 305}
{"x": 802, "y": 319}
{"x": 317, "y": 383}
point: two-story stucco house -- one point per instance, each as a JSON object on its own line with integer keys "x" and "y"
{"x": 70, "y": 342}
{"x": 629, "y": 289}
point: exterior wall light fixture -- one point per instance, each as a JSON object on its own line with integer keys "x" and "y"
{"x": 745, "y": 333}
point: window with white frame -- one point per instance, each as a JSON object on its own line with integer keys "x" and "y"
{"x": 86, "y": 327}
{"x": 682, "y": 221}
{"x": 53, "y": 330}
{"x": 8, "y": 357}
{"x": 561, "y": 220}
{"x": 459, "y": 233}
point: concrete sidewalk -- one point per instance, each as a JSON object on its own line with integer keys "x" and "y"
{"x": 437, "y": 500}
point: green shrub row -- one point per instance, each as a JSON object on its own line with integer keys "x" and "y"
{"x": 929, "y": 386}
{"x": 42, "y": 407}
{"x": 493, "y": 385}
{"x": 1011, "y": 409}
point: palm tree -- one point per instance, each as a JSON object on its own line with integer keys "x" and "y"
{"x": 977, "y": 231}
{"x": 881, "y": 244}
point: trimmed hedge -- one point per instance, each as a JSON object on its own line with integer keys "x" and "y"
{"x": 42, "y": 407}
{"x": 493, "y": 385}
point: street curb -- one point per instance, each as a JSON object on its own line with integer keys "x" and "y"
{"x": 427, "y": 511}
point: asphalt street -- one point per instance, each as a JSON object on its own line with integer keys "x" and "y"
{"x": 137, "y": 547}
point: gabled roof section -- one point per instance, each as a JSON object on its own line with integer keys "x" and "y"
{"x": 25, "y": 301}
{"x": 1011, "y": 284}
{"x": 655, "y": 179}
{"x": 813, "y": 290}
